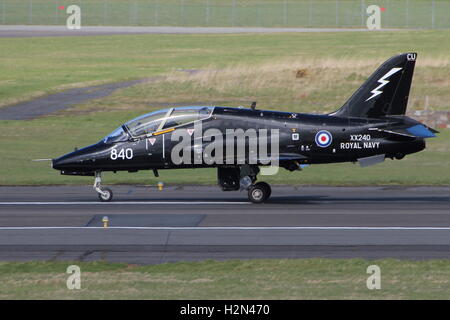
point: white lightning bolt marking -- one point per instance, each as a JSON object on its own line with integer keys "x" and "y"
{"x": 375, "y": 92}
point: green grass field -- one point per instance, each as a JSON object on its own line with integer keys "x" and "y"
{"x": 251, "y": 279}
{"x": 36, "y": 66}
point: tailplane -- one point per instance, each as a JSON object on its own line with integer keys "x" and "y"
{"x": 385, "y": 92}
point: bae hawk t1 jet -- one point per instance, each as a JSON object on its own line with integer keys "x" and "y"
{"x": 241, "y": 142}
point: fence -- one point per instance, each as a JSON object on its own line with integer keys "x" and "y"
{"x": 428, "y": 14}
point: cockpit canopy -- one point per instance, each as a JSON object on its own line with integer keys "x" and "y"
{"x": 158, "y": 120}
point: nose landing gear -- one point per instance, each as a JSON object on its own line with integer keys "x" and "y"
{"x": 104, "y": 194}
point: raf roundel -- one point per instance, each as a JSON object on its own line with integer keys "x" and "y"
{"x": 323, "y": 138}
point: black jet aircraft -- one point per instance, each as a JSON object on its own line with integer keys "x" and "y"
{"x": 368, "y": 128}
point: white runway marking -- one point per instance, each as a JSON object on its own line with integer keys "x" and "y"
{"x": 232, "y": 228}
{"x": 24, "y": 203}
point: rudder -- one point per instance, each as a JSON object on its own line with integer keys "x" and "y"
{"x": 385, "y": 92}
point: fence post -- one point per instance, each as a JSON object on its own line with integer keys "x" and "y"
{"x": 83, "y": 12}
{"x": 136, "y": 13}
{"x": 130, "y": 13}
{"x": 156, "y": 13}
{"x": 386, "y": 14}
{"x": 337, "y": 13}
{"x": 433, "y": 5}
{"x": 56, "y": 12}
{"x": 407, "y": 13}
{"x": 233, "y": 11}
{"x": 133, "y": 11}
{"x": 181, "y": 18}
{"x": 207, "y": 14}
{"x": 108, "y": 8}
{"x": 310, "y": 14}
{"x": 3, "y": 11}
{"x": 30, "y": 11}
{"x": 258, "y": 16}
{"x": 104, "y": 13}
{"x": 363, "y": 13}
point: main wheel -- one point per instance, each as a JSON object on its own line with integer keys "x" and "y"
{"x": 106, "y": 195}
{"x": 259, "y": 192}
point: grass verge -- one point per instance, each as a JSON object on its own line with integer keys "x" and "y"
{"x": 250, "y": 279}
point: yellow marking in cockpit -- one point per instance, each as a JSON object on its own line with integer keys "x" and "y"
{"x": 164, "y": 131}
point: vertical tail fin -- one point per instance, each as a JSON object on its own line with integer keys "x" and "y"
{"x": 385, "y": 92}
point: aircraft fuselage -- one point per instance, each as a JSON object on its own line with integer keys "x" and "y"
{"x": 352, "y": 139}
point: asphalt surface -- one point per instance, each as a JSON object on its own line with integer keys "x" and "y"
{"x": 195, "y": 223}
{"x": 51, "y": 103}
{"x": 14, "y": 31}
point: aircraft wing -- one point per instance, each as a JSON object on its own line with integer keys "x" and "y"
{"x": 285, "y": 157}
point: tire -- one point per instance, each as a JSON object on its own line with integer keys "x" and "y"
{"x": 269, "y": 189}
{"x": 259, "y": 192}
{"x": 106, "y": 196}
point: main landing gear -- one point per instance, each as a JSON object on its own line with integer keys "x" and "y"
{"x": 259, "y": 192}
{"x": 104, "y": 194}
{"x": 233, "y": 178}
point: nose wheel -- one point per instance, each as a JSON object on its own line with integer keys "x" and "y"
{"x": 104, "y": 194}
{"x": 259, "y": 192}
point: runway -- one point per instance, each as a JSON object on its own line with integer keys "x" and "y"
{"x": 19, "y": 31}
{"x": 195, "y": 223}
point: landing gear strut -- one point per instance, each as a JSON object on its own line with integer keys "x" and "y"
{"x": 104, "y": 194}
{"x": 233, "y": 178}
{"x": 258, "y": 192}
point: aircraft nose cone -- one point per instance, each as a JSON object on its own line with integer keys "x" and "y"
{"x": 63, "y": 162}
{"x": 82, "y": 160}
